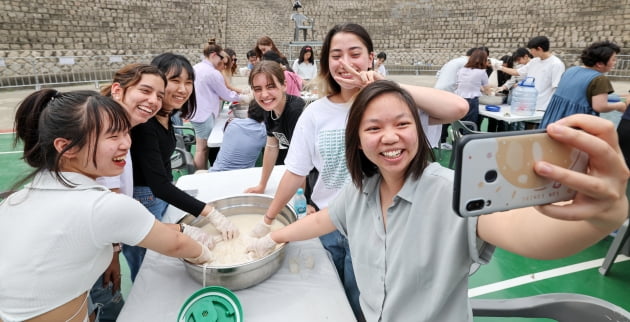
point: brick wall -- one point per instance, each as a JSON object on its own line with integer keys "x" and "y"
{"x": 418, "y": 31}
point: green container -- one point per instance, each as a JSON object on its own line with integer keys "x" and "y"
{"x": 211, "y": 304}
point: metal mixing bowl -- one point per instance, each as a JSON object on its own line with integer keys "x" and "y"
{"x": 492, "y": 100}
{"x": 247, "y": 274}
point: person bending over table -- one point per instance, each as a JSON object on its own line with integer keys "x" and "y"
{"x": 585, "y": 89}
{"x": 70, "y": 139}
{"x": 153, "y": 143}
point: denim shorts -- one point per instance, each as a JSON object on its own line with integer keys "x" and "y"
{"x": 203, "y": 129}
{"x": 146, "y": 197}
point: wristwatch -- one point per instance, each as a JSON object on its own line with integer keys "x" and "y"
{"x": 117, "y": 247}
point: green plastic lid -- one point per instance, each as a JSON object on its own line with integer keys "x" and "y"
{"x": 211, "y": 304}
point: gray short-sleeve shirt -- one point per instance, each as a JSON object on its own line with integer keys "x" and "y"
{"x": 417, "y": 270}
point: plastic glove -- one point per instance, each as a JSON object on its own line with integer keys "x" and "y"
{"x": 205, "y": 257}
{"x": 497, "y": 64}
{"x": 244, "y": 99}
{"x": 260, "y": 247}
{"x": 224, "y": 225}
{"x": 201, "y": 236}
{"x": 261, "y": 229}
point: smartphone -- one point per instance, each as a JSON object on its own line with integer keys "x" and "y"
{"x": 495, "y": 171}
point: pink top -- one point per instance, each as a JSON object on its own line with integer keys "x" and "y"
{"x": 294, "y": 83}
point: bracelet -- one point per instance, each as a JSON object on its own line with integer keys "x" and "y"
{"x": 181, "y": 228}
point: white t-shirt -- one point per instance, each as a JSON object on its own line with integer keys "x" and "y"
{"x": 470, "y": 81}
{"x": 447, "y": 75}
{"x": 305, "y": 70}
{"x": 124, "y": 181}
{"x": 59, "y": 241}
{"x": 382, "y": 70}
{"x": 319, "y": 141}
{"x": 547, "y": 74}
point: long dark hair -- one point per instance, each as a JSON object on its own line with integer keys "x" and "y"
{"x": 173, "y": 64}
{"x": 358, "y": 164}
{"x": 77, "y": 116}
{"x": 330, "y": 85}
{"x": 303, "y": 51}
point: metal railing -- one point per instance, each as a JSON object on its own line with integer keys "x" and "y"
{"x": 39, "y": 72}
{"x": 426, "y": 67}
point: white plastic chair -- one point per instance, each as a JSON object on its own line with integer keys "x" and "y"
{"x": 304, "y": 24}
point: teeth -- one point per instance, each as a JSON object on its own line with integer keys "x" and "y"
{"x": 145, "y": 109}
{"x": 119, "y": 158}
{"x": 392, "y": 154}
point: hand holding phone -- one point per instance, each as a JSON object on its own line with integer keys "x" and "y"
{"x": 495, "y": 171}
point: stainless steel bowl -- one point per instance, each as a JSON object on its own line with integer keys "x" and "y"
{"x": 247, "y": 274}
{"x": 492, "y": 100}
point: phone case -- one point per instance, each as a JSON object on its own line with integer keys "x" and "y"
{"x": 495, "y": 171}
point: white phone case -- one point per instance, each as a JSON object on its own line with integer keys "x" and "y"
{"x": 495, "y": 171}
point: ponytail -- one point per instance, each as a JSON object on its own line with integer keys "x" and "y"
{"x": 211, "y": 47}
{"x": 27, "y": 124}
{"x": 77, "y": 116}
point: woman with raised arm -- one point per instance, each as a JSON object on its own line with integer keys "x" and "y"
{"x": 346, "y": 57}
{"x": 411, "y": 252}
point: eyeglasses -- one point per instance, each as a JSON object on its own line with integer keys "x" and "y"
{"x": 235, "y": 60}
{"x": 220, "y": 56}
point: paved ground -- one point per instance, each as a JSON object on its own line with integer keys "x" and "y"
{"x": 10, "y": 99}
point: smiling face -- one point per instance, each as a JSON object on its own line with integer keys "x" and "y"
{"x": 348, "y": 47}
{"x": 142, "y": 100}
{"x": 177, "y": 91}
{"x": 111, "y": 150}
{"x": 268, "y": 94}
{"x": 388, "y": 135}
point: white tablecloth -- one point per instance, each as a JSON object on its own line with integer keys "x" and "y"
{"x": 216, "y": 136}
{"x": 312, "y": 294}
{"x": 506, "y": 116}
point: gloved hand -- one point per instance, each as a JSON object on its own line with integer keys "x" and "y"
{"x": 497, "y": 64}
{"x": 201, "y": 236}
{"x": 260, "y": 247}
{"x": 222, "y": 224}
{"x": 245, "y": 99}
{"x": 261, "y": 229}
{"x": 205, "y": 257}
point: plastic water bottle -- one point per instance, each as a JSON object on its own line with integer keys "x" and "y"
{"x": 299, "y": 203}
{"x": 524, "y": 98}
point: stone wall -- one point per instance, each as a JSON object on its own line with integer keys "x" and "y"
{"x": 421, "y": 32}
